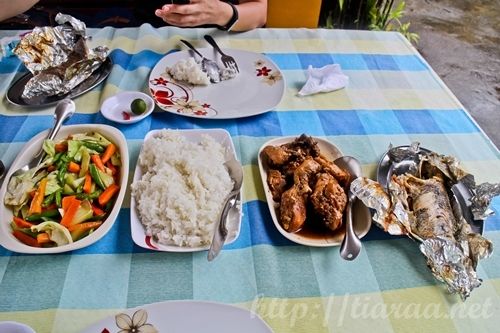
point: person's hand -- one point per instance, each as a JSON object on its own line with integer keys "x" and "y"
{"x": 198, "y": 12}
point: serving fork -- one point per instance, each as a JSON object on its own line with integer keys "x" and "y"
{"x": 227, "y": 60}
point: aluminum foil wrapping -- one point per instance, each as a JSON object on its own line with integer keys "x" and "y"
{"x": 482, "y": 198}
{"x": 414, "y": 205}
{"x": 58, "y": 57}
{"x": 451, "y": 265}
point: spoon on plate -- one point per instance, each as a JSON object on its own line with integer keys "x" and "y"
{"x": 64, "y": 110}
{"x": 2, "y": 169}
{"x": 208, "y": 66}
{"x": 351, "y": 245}
{"x": 236, "y": 173}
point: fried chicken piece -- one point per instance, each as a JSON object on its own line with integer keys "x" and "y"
{"x": 293, "y": 209}
{"x": 276, "y": 156}
{"x": 303, "y": 146}
{"x": 304, "y": 172}
{"x": 329, "y": 200}
{"x": 277, "y": 183}
{"x": 340, "y": 175}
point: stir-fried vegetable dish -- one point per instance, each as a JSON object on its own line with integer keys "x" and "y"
{"x": 69, "y": 195}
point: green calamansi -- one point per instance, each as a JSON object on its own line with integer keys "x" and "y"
{"x": 138, "y": 106}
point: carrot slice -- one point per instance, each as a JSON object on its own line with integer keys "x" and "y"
{"x": 61, "y": 147}
{"x": 111, "y": 167}
{"x": 66, "y": 201}
{"x": 70, "y": 213}
{"x": 84, "y": 226}
{"x": 97, "y": 161}
{"x": 36, "y": 203}
{"x": 25, "y": 239}
{"x": 97, "y": 211}
{"x": 110, "y": 150}
{"x": 42, "y": 238}
{"x": 73, "y": 167}
{"x": 22, "y": 223}
{"x": 108, "y": 193}
{"x": 87, "y": 185}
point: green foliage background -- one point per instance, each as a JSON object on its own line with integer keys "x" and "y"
{"x": 366, "y": 14}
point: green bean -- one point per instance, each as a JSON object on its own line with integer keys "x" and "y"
{"x": 40, "y": 216}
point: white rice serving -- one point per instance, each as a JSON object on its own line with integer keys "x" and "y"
{"x": 188, "y": 70}
{"x": 183, "y": 186}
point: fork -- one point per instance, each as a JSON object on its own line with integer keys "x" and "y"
{"x": 227, "y": 60}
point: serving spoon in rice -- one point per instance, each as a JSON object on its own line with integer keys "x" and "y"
{"x": 220, "y": 231}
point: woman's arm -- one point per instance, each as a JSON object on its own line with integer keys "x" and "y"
{"x": 251, "y": 14}
{"x": 12, "y": 8}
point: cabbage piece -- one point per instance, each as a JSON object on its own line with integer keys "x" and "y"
{"x": 18, "y": 189}
{"x": 52, "y": 183}
{"x": 57, "y": 233}
{"x": 92, "y": 136}
{"x": 49, "y": 147}
{"x": 73, "y": 147}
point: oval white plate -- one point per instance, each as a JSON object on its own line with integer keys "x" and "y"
{"x": 114, "y": 107}
{"x": 256, "y": 89}
{"x": 8, "y": 241}
{"x": 233, "y": 220}
{"x": 361, "y": 214}
{"x": 188, "y": 317}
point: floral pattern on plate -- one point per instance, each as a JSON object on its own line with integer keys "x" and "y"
{"x": 268, "y": 75}
{"x": 178, "y": 96}
{"x": 136, "y": 324}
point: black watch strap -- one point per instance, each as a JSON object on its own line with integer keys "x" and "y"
{"x": 233, "y": 19}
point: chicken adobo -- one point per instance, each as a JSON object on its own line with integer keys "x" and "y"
{"x": 308, "y": 187}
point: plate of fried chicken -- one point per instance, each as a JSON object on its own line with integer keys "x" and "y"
{"x": 306, "y": 192}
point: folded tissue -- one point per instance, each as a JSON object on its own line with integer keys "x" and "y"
{"x": 324, "y": 79}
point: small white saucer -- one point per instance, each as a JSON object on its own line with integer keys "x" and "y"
{"x": 15, "y": 327}
{"x": 117, "y": 107}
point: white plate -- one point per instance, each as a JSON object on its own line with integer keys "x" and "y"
{"x": 233, "y": 219}
{"x": 186, "y": 317}
{"x": 8, "y": 241}
{"x": 114, "y": 107}
{"x": 361, "y": 214}
{"x": 258, "y": 87}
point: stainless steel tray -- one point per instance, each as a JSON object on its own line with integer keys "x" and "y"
{"x": 14, "y": 94}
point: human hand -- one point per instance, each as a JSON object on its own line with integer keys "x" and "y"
{"x": 197, "y": 12}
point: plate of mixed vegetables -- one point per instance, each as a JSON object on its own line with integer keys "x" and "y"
{"x": 72, "y": 198}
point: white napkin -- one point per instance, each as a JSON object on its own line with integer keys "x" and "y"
{"x": 324, "y": 79}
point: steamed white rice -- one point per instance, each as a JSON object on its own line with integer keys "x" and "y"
{"x": 181, "y": 192}
{"x": 188, "y": 70}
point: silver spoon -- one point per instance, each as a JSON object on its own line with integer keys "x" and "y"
{"x": 208, "y": 66}
{"x": 220, "y": 234}
{"x": 64, "y": 110}
{"x": 351, "y": 245}
{"x": 2, "y": 169}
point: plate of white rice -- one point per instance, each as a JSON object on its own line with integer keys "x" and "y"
{"x": 178, "y": 191}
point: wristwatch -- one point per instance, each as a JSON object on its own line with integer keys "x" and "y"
{"x": 233, "y": 19}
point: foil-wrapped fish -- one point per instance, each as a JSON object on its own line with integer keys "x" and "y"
{"x": 58, "y": 57}
{"x": 420, "y": 204}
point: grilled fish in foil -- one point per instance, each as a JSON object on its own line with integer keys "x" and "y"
{"x": 58, "y": 57}
{"x": 421, "y": 205}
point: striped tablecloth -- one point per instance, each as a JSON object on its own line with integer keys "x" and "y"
{"x": 393, "y": 97}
